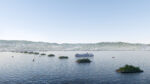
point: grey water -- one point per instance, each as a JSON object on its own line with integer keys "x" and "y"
{"x": 21, "y": 69}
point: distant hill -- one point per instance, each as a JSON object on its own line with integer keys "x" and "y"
{"x": 15, "y": 45}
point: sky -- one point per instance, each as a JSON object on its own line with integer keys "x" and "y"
{"x": 75, "y": 21}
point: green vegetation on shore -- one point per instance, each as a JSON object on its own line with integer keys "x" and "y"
{"x": 42, "y": 54}
{"x": 63, "y": 57}
{"x": 31, "y": 52}
{"x": 51, "y": 55}
{"x": 129, "y": 69}
{"x": 84, "y": 60}
{"x": 25, "y": 52}
{"x": 37, "y": 53}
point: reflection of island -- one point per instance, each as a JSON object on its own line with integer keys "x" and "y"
{"x": 129, "y": 69}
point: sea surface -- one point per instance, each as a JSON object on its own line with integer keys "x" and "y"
{"x": 19, "y": 68}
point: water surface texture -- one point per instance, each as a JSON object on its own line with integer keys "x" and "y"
{"x": 21, "y": 69}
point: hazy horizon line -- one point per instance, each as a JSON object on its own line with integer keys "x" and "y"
{"x": 80, "y": 42}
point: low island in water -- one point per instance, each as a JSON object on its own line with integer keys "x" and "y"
{"x": 129, "y": 69}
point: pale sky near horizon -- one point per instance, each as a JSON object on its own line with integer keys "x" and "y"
{"x": 75, "y": 21}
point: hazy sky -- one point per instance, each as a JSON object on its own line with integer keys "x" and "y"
{"x": 75, "y": 21}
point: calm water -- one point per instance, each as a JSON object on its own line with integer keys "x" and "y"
{"x": 51, "y": 70}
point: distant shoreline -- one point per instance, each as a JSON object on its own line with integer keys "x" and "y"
{"x": 14, "y": 45}
{"x": 84, "y": 51}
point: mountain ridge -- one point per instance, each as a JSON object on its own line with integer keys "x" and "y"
{"x": 21, "y": 45}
